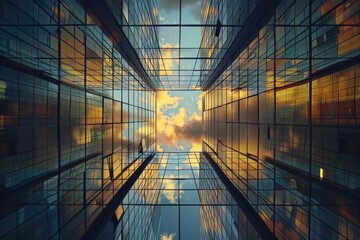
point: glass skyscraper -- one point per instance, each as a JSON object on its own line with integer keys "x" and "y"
{"x": 280, "y": 82}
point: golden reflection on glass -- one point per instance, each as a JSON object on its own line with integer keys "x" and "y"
{"x": 321, "y": 173}
{"x": 170, "y": 189}
{"x": 119, "y": 212}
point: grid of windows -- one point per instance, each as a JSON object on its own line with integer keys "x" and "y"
{"x": 145, "y": 38}
{"x": 228, "y": 17}
{"x": 281, "y": 109}
{"x": 137, "y": 20}
{"x": 281, "y": 120}
{"x": 180, "y": 196}
{"x": 74, "y": 114}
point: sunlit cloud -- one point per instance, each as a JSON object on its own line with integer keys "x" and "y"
{"x": 155, "y": 12}
{"x": 159, "y": 148}
{"x": 199, "y": 102}
{"x": 192, "y": 164}
{"x": 170, "y": 191}
{"x": 178, "y": 128}
{"x": 170, "y": 195}
{"x": 164, "y": 236}
{"x": 196, "y": 147}
{"x": 165, "y": 101}
{"x": 169, "y": 58}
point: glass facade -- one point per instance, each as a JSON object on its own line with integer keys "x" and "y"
{"x": 74, "y": 112}
{"x": 180, "y": 196}
{"x": 282, "y": 118}
{"x": 79, "y": 81}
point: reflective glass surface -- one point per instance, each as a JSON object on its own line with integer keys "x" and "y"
{"x": 79, "y": 88}
{"x": 180, "y": 196}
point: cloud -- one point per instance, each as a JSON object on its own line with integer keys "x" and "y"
{"x": 171, "y": 191}
{"x": 169, "y": 58}
{"x": 192, "y": 130}
{"x": 199, "y": 102}
{"x": 178, "y": 128}
{"x": 159, "y": 148}
{"x": 194, "y": 7}
{"x": 165, "y": 101}
{"x": 196, "y": 147}
{"x": 164, "y": 236}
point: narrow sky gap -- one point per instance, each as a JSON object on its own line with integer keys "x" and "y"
{"x": 179, "y": 121}
{"x": 179, "y": 67}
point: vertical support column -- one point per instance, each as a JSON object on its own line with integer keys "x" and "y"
{"x": 310, "y": 115}
{"x": 274, "y": 123}
{"x": 85, "y": 110}
{"x": 58, "y": 112}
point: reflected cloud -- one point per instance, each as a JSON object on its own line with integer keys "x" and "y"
{"x": 165, "y": 236}
{"x": 164, "y": 161}
{"x": 169, "y": 58}
{"x": 171, "y": 5}
{"x": 159, "y": 148}
{"x": 214, "y": 225}
{"x": 193, "y": 6}
{"x": 170, "y": 191}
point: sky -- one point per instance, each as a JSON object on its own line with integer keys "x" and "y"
{"x": 179, "y": 124}
{"x": 169, "y": 11}
{"x": 179, "y": 44}
{"x": 179, "y": 121}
